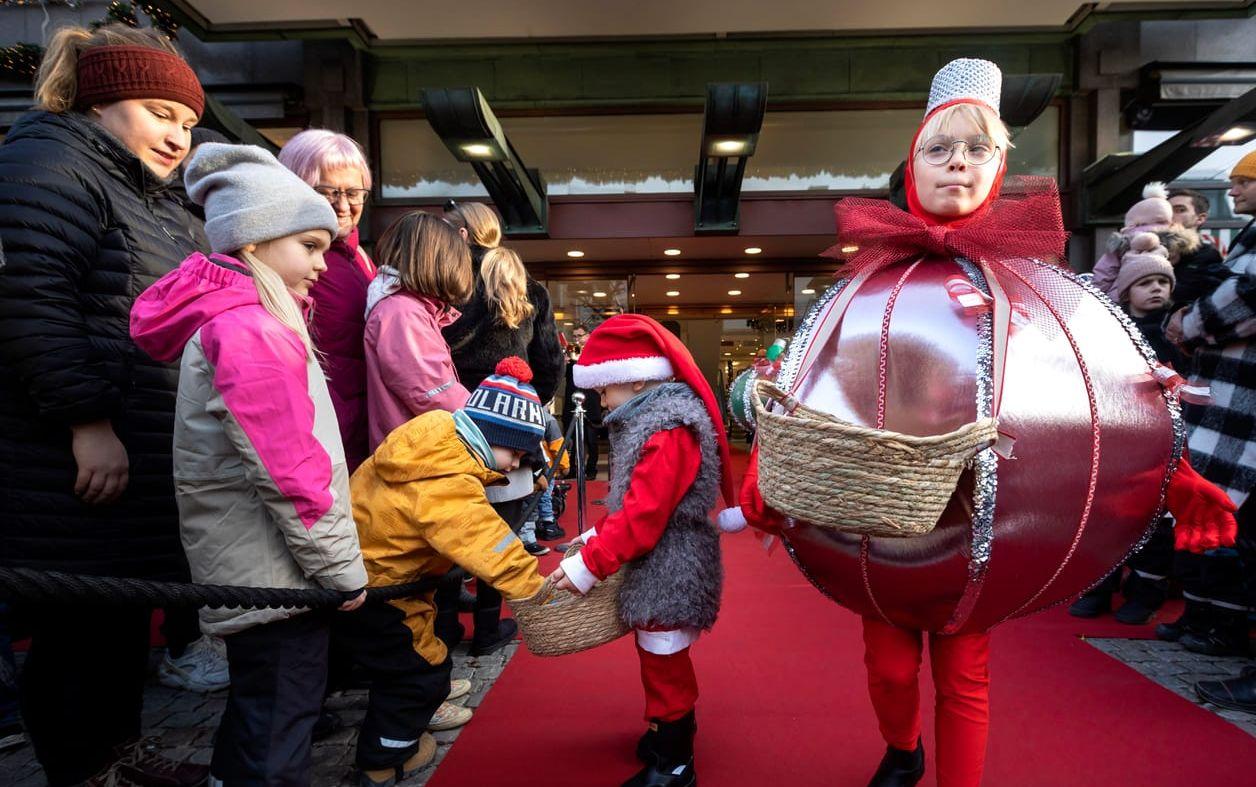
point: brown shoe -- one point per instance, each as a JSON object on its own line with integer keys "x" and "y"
{"x": 387, "y": 777}
{"x": 448, "y": 717}
{"x": 140, "y": 763}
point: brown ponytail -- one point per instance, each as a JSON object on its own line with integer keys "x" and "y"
{"x": 56, "y": 84}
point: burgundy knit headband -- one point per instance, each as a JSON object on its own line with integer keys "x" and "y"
{"x": 114, "y": 73}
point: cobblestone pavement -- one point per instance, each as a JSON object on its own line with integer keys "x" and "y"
{"x": 1177, "y": 669}
{"x": 185, "y": 722}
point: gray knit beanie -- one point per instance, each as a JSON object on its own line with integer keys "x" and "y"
{"x": 249, "y": 197}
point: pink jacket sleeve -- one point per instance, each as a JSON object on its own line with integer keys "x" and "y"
{"x": 414, "y": 362}
{"x": 1105, "y": 272}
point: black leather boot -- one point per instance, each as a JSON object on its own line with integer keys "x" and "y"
{"x": 900, "y": 768}
{"x": 1227, "y": 636}
{"x": 667, "y": 751}
{"x": 1234, "y": 694}
{"x": 1143, "y": 596}
{"x": 491, "y": 633}
{"x": 1195, "y": 619}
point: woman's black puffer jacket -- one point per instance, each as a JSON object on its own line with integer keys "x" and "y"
{"x": 478, "y": 339}
{"x": 85, "y": 228}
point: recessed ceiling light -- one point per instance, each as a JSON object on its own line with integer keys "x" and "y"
{"x": 849, "y": 249}
{"x": 672, "y": 276}
{"x": 754, "y": 250}
{"x": 728, "y": 353}
{"x": 741, "y": 275}
{"x": 582, "y": 292}
{"x": 673, "y": 293}
{"x": 673, "y": 310}
{"x": 672, "y": 252}
{"x": 809, "y": 291}
{"x": 599, "y": 294}
{"x": 734, "y": 292}
{"x": 575, "y": 253}
{"x": 726, "y": 310}
{"x": 569, "y": 323}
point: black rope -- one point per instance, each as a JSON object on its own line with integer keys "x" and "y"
{"x": 31, "y": 585}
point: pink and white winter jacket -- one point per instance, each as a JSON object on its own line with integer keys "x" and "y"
{"x": 408, "y": 368}
{"x": 259, "y": 470}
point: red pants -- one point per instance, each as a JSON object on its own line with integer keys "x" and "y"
{"x": 671, "y": 687}
{"x": 961, "y": 680}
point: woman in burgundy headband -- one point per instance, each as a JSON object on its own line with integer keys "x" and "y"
{"x": 86, "y": 419}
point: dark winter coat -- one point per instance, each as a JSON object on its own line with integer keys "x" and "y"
{"x": 678, "y": 583}
{"x": 478, "y": 340}
{"x": 1152, "y": 328}
{"x": 85, "y": 228}
{"x": 1197, "y": 274}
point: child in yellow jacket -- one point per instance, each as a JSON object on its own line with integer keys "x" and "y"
{"x": 420, "y": 508}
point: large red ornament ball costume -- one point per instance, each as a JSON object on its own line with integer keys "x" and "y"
{"x": 937, "y": 323}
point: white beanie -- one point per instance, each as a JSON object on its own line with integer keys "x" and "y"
{"x": 249, "y": 197}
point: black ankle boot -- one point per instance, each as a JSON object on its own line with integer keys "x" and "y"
{"x": 900, "y": 768}
{"x": 667, "y": 751}
{"x": 1143, "y": 596}
{"x": 491, "y": 633}
{"x": 1195, "y": 619}
{"x": 1091, "y": 605}
{"x": 1233, "y": 693}
{"x": 647, "y": 743}
{"x": 1227, "y": 636}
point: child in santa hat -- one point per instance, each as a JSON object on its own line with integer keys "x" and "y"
{"x": 670, "y": 460}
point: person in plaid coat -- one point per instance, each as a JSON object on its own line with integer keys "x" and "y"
{"x": 1219, "y": 329}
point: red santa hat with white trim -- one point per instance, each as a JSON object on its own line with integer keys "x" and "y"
{"x": 629, "y": 348}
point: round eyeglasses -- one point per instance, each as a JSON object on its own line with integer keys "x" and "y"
{"x": 937, "y": 151}
{"x": 354, "y": 196}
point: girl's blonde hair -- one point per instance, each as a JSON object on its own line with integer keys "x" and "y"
{"x": 980, "y": 116}
{"x": 429, "y": 257}
{"x": 506, "y": 286}
{"x": 277, "y": 299}
{"x": 56, "y": 84}
{"x": 483, "y": 227}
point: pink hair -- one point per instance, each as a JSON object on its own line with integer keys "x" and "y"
{"x": 317, "y": 150}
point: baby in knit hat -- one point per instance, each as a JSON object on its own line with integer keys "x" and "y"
{"x": 1144, "y": 287}
{"x": 1152, "y": 214}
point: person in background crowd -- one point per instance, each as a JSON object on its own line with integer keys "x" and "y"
{"x": 508, "y": 314}
{"x": 592, "y": 403}
{"x": 541, "y": 523}
{"x": 1144, "y": 287}
{"x": 1199, "y": 271}
{"x": 88, "y": 220}
{"x": 261, "y": 480}
{"x": 1191, "y": 209}
{"x": 1218, "y": 331}
{"x": 420, "y": 507}
{"x": 337, "y": 169}
{"x": 425, "y": 268}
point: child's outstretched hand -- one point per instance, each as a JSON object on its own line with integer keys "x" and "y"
{"x": 561, "y": 582}
{"x": 354, "y": 602}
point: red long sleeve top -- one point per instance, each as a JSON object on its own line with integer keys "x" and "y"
{"x": 664, "y": 474}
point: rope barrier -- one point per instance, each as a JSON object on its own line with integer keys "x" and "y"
{"x": 31, "y": 585}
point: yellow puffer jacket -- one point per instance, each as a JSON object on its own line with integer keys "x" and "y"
{"x": 419, "y": 505}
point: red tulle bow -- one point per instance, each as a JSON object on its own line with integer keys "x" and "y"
{"x": 1025, "y": 222}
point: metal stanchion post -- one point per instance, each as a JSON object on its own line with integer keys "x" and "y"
{"x": 577, "y": 399}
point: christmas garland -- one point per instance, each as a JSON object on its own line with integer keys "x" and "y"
{"x": 21, "y": 60}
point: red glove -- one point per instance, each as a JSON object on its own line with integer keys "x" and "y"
{"x": 1204, "y": 514}
{"x": 753, "y": 507}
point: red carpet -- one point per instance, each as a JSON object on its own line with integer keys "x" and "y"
{"x": 784, "y": 702}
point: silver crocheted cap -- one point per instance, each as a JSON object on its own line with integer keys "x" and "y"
{"x": 966, "y": 78}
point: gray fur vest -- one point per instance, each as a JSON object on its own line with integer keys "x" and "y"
{"x": 678, "y": 583}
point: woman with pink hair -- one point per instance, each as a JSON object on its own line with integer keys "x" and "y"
{"x": 337, "y": 169}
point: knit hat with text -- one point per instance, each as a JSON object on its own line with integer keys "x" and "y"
{"x": 507, "y": 409}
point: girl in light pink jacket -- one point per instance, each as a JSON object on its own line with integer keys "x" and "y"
{"x": 424, "y": 268}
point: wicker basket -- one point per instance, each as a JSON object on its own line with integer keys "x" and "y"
{"x": 555, "y": 622}
{"x": 820, "y": 469}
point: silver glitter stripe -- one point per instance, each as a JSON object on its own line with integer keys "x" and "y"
{"x": 985, "y": 463}
{"x": 802, "y": 337}
{"x": 1171, "y": 402}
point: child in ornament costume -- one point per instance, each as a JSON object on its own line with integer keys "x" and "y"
{"x": 929, "y": 357}
{"x": 669, "y": 461}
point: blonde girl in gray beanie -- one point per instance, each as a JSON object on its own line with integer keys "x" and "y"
{"x": 259, "y": 469}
